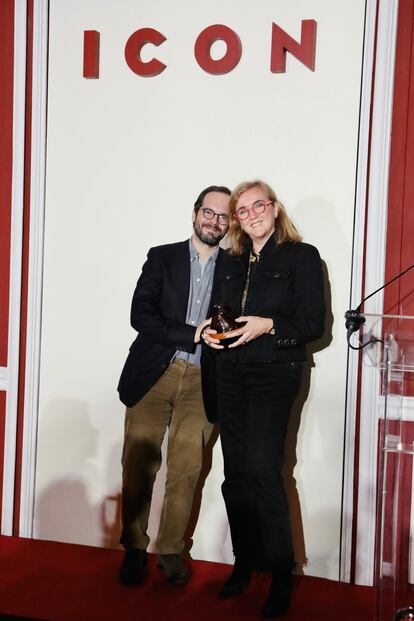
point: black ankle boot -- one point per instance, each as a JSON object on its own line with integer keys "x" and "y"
{"x": 278, "y": 600}
{"x": 238, "y": 580}
{"x": 132, "y": 570}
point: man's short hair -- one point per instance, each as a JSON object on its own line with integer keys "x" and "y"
{"x": 211, "y": 188}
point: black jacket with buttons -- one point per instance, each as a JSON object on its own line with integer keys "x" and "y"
{"x": 286, "y": 284}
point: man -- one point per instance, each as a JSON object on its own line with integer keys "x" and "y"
{"x": 161, "y": 386}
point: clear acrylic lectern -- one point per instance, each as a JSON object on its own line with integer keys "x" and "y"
{"x": 389, "y": 346}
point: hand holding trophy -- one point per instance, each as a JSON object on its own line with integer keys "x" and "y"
{"x": 223, "y": 322}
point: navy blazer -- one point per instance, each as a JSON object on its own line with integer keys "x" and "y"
{"x": 158, "y": 314}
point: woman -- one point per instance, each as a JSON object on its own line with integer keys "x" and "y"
{"x": 274, "y": 283}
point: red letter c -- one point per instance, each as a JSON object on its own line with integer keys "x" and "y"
{"x": 133, "y": 48}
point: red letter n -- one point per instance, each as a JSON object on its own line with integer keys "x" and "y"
{"x": 91, "y": 53}
{"x": 304, "y": 51}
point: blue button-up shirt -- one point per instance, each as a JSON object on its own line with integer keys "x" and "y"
{"x": 201, "y": 284}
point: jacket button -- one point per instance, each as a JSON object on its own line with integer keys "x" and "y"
{"x": 276, "y": 275}
{"x": 163, "y": 366}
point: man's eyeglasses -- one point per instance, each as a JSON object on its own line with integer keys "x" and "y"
{"x": 209, "y": 214}
{"x": 258, "y": 207}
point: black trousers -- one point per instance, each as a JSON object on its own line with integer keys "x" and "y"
{"x": 254, "y": 401}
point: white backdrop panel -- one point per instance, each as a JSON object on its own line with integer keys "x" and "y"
{"x": 126, "y": 158}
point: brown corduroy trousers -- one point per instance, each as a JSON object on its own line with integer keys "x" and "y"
{"x": 174, "y": 403}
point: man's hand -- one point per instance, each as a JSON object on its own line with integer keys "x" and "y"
{"x": 200, "y": 328}
{"x": 209, "y": 339}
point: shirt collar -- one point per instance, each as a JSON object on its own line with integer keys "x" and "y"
{"x": 194, "y": 252}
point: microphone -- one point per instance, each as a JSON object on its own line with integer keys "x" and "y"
{"x": 354, "y": 319}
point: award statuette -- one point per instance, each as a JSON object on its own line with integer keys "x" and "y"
{"x": 223, "y": 320}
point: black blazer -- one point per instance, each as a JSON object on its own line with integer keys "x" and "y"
{"x": 286, "y": 285}
{"x": 158, "y": 313}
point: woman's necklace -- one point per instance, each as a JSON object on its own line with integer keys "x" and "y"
{"x": 253, "y": 258}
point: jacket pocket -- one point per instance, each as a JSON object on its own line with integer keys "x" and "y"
{"x": 279, "y": 275}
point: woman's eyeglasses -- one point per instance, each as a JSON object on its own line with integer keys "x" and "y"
{"x": 258, "y": 207}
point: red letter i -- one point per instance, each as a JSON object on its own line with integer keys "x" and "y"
{"x": 91, "y": 53}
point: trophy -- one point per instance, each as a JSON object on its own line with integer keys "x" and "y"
{"x": 223, "y": 320}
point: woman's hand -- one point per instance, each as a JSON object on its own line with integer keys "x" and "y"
{"x": 255, "y": 326}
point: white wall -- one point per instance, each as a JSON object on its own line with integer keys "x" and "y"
{"x": 126, "y": 158}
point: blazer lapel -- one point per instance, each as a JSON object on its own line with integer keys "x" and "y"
{"x": 182, "y": 278}
{"x": 215, "y": 279}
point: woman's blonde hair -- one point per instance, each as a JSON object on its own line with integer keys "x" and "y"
{"x": 237, "y": 238}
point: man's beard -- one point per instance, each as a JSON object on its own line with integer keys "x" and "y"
{"x": 209, "y": 237}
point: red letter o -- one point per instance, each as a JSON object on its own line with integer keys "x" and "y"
{"x": 203, "y": 45}
{"x": 133, "y": 48}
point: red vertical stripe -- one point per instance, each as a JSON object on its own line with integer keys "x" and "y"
{"x": 400, "y": 250}
{"x": 6, "y": 167}
{"x": 399, "y": 296}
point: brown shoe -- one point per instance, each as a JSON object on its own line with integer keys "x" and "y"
{"x": 132, "y": 570}
{"x": 174, "y": 568}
